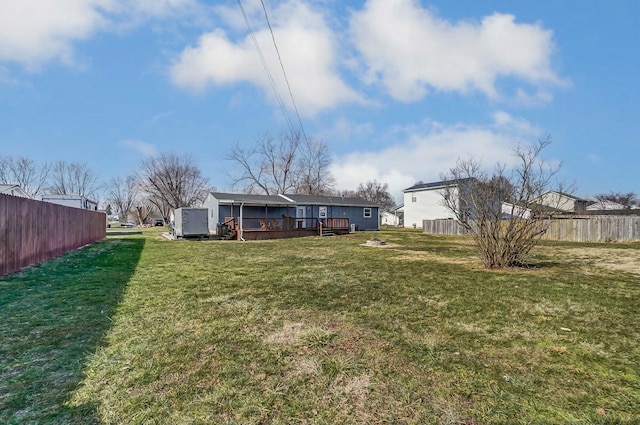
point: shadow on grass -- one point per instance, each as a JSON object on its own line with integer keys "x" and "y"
{"x": 53, "y": 316}
{"x": 123, "y": 232}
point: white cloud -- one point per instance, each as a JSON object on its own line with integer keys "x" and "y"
{"x": 144, "y": 148}
{"x": 34, "y": 32}
{"x": 430, "y": 150}
{"x": 410, "y": 50}
{"x": 307, "y": 48}
{"x": 345, "y": 129}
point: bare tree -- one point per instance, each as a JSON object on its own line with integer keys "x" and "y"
{"x": 377, "y": 193}
{"x": 314, "y": 177}
{"x": 283, "y": 166}
{"x": 172, "y": 181}
{"x": 347, "y": 193}
{"x": 144, "y": 208}
{"x": 501, "y": 212}
{"x": 73, "y": 178}
{"x": 267, "y": 167}
{"x": 122, "y": 194}
{"x": 627, "y": 200}
{"x": 24, "y": 172}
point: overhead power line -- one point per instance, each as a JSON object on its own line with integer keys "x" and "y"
{"x": 284, "y": 73}
{"x": 272, "y": 83}
{"x": 274, "y": 87}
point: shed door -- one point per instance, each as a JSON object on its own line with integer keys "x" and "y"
{"x": 301, "y": 214}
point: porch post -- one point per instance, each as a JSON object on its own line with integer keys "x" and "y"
{"x": 240, "y": 225}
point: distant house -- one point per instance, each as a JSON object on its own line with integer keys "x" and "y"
{"x": 76, "y": 201}
{"x": 248, "y": 216}
{"x": 425, "y": 201}
{"x": 561, "y": 201}
{"x": 510, "y": 211}
{"x": 393, "y": 217}
{"x": 605, "y": 206}
{"x": 13, "y": 190}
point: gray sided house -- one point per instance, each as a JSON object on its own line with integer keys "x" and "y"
{"x": 246, "y": 216}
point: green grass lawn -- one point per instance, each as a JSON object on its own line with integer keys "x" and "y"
{"x": 140, "y": 330}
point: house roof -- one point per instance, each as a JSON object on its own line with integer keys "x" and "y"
{"x": 605, "y": 205}
{"x": 329, "y": 200}
{"x": 435, "y": 185}
{"x": 12, "y": 189}
{"x": 566, "y": 195}
{"x": 7, "y": 187}
{"x": 289, "y": 199}
{"x": 249, "y": 199}
{"x": 67, "y": 196}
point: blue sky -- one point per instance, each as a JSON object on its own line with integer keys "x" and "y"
{"x": 398, "y": 89}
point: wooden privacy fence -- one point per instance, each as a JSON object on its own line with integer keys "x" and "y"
{"x": 33, "y": 231}
{"x": 595, "y": 229}
{"x": 574, "y": 229}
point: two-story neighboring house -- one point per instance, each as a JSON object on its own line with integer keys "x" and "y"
{"x": 424, "y": 201}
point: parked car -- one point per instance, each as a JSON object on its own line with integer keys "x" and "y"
{"x": 158, "y": 222}
{"x": 128, "y": 224}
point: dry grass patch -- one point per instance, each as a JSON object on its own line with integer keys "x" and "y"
{"x": 411, "y": 256}
{"x": 624, "y": 260}
{"x": 602, "y": 258}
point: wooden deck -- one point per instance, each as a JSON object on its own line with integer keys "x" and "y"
{"x": 280, "y": 228}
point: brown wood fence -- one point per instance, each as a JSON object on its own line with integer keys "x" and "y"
{"x": 33, "y": 231}
{"x": 574, "y": 229}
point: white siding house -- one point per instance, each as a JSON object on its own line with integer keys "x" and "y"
{"x": 560, "y": 201}
{"x": 13, "y": 190}
{"x": 605, "y": 206}
{"x": 393, "y": 217}
{"x": 75, "y": 201}
{"x": 424, "y": 201}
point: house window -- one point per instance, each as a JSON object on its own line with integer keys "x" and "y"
{"x": 322, "y": 212}
{"x": 367, "y": 213}
{"x": 413, "y": 197}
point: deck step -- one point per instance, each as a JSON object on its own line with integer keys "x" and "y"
{"x": 231, "y": 235}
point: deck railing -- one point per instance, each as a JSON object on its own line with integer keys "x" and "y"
{"x": 282, "y": 224}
